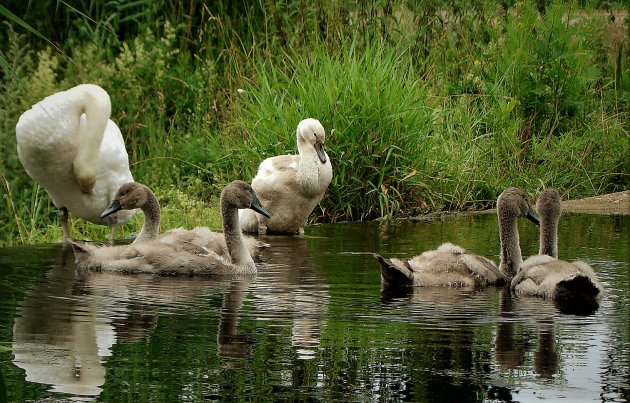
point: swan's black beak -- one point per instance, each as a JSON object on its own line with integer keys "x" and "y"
{"x": 319, "y": 148}
{"x": 112, "y": 208}
{"x": 258, "y": 207}
{"x": 532, "y": 216}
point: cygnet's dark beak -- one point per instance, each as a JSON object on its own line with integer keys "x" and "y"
{"x": 112, "y": 208}
{"x": 319, "y": 148}
{"x": 532, "y": 216}
{"x": 258, "y": 207}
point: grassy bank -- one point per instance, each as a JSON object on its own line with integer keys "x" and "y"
{"x": 427, "y": 107}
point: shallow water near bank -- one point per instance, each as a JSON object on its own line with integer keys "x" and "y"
{"x": 315, "y": 324}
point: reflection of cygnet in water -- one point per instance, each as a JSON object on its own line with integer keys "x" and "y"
{"x": 509, "y": 352}
{"x": 138, "y": 299}
{"x": 546, "y": 358}
{"x": 67, "y": 325}
{"x": 292, "y": 287}
{"x": 59, "y": 338}
{"x": 306, "y": 330}
{"x": 230, "y": 344}
{"x": 443, "y": 305}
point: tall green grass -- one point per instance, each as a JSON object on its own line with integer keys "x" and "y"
{"x": 427, "y": 106}
{"x": 373, "y": 106}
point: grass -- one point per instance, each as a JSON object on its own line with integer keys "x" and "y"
{"x": 421, "y": 115}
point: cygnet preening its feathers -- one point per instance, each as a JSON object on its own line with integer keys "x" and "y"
{"x": 291, "y": 186}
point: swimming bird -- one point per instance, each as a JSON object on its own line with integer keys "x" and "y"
{"x": 68, "y": 144}
{"x": 291, "y": 185}
{"x": 452, "y": 266}
{"x": 136, "y": 195}
{"x": 573, "y": 285}
{"x": 152, "y": 256}
{"x": 512, "y": 204}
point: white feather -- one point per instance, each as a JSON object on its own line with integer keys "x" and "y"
{"x": 50, "y": 137}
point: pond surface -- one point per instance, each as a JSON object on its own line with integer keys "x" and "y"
{"x": 314, "y": 324}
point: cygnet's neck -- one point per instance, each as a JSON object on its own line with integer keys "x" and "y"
{"x": 239, "y": 255}
{"x": 511, "y": 258}
{"x": 151, "y": 227}
{"x": 548, "y": 235}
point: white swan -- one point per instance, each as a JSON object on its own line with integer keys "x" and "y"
{"x": 155, "y": 257}
{"x": 135, "y": 195}
{"x": 67, "y": 143}
{"x": 453, "y": 266}
{"x": 573, "y": 285}
{"x": 290, "y": 186}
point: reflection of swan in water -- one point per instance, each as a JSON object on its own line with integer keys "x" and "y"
{"x": 59, "y": 338}
{"x": 231, "y": 344}
{"x": 546, "y": 358}
{"x": 292, "y": 287}
{"x": 510, "y": 352}
{"x": 442, "y": 305}
{"x": 67, "y": 326}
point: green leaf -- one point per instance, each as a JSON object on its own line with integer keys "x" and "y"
{"x": 9, "y": 15}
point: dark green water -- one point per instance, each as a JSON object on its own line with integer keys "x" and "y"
{"x": 314, "y": 325}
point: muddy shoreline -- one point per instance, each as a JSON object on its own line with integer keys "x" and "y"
{"x": 610, "y": 204}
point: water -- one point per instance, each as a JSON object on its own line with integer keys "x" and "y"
{"x": 316, "y": 325}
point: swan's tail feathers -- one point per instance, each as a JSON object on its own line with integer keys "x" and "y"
{"x": 578, "y": 295}
{"x": 395, "y": 272}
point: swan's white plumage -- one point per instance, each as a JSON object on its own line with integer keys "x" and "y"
{"x": 58, "y": 139}
{"x": 291, "y": 186}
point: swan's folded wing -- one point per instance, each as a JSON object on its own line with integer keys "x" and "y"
{"x": 273, "y": 165}
{"x": 485, "y": 270}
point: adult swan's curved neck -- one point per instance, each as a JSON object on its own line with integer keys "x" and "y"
{"x": 96, "y": 106}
